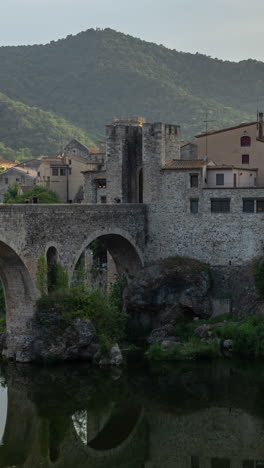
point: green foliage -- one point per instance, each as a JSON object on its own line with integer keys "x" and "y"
{"x": 185, "y": 327}
{"x": 12, "y": 194}
{"x": 43, "y": 195}
{"x": 197, "y": 349}
{"x": 57, "y": 278}
{"x": 193, "y": 349}
{"x": 2, "y": 323}
{"x": 27, "y": 132}
{"x": 112, "y": 74}
{"x": 220, "y": 318}
{"x": 42, "y": 271}
{"x": 259, "y": 278}
{"x": 249, "y": 337}
{"x": 81, "y": 302}
{"x": 117, "y": 290}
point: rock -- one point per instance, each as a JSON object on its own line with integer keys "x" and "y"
{"x": 113, "y": 358}
{"x": 161, "y": 291}
{"x": 77, "y": 341}
{"x": 160, "y": 334}
{"x": 228, "y": 345}
{"x": 169, "y": 343}
{"x": 116, "y": 358}
{"x": 203, "y": 331}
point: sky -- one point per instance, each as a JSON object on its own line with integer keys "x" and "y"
{"x": 227, "y": 29}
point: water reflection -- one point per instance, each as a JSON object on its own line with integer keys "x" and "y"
{"x": 3, "y": 409}
{"x": 183, "y": 416}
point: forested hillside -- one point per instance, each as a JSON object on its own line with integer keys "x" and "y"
{"x": 89, "y": 78}
{"x": 30, "y": 132}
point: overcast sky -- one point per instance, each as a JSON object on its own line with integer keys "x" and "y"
{"x": 227, "y": 29}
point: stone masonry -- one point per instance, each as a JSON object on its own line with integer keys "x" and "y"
{"x": 29, "y": 231}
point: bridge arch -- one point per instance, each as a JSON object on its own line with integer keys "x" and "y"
{"x": 20, "y": 297}
{"x": 126, "y": 254}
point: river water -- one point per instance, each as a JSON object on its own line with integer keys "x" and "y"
{"x": 186, "y": 415}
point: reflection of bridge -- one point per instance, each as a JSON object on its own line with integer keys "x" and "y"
{"x": 120, "y": 429}
{"x": 29, "y": 231}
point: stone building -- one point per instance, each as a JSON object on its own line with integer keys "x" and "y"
{"x": 240, "y": 145}
{"x": 196, "y": 208}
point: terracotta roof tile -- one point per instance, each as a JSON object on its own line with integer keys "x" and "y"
{"x": 184, "y": 164}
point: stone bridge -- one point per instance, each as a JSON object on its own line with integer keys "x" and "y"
{"x": 60, "y": 232}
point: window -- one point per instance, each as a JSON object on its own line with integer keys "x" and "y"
{"x": 194, "y": 180}
{"x": 220, "y": 179}
{"x": 220, "y": 205}
{"x": 69, "y": 162}
{"x": 103, "y": 199}
{"x": 70, "y": 171}
{"x": 248, "y": 206}
{"x": 245, "y": 158}
{"x": 38, "y": 174}
{"x": 245, "y": 140}
{"x": 62, "y": 171}
{"x": 260, "y": 206}
{"x": 194, "y": 205}
{"x": 17, "y": 180}
{"x": 55, "y": 171}
{"x": 101, "y": 183}
{"x": 6, "y": 180}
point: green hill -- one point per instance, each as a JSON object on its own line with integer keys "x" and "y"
{"x": 28, "y": 131}
{"x": 98, "y": 74}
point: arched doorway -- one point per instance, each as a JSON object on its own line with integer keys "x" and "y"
{"x": 20, "y": 297}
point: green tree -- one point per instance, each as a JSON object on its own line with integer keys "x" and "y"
{"x": 39, "y": 192}
{"x": 42, "y": 275}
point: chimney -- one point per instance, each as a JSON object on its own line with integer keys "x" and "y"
{"x": 260, "y": 126}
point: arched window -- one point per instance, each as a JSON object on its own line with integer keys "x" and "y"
{"x": 245, "y": 140}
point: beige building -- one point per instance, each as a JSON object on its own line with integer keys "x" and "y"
{"x": 62, "y": 174}
{"x": 238, "y": 146}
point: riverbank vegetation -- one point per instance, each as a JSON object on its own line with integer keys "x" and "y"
{"x": 103, "y": 309}
{"x": 215, "y": 338}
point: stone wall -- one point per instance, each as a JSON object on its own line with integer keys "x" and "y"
{"x": 217, "y": 238}
{"x": 28, "y": 231}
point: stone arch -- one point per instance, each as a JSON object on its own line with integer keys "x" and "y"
{"x": 123, "y": 249}
{"x": 20, "y": 297}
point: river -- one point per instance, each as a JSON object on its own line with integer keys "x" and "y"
{"x": 182, "y": 415}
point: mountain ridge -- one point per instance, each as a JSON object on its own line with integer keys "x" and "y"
{"x": 96, "y": 75}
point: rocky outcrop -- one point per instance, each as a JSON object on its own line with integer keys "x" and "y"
{"x": 164, "y": 291}
{"x": 76, "y": 341}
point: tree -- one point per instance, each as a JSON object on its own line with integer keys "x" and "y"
{"x": 39, "y": 192}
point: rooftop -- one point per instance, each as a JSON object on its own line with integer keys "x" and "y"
{"x": 227, "y": 129}
{"x": 185, "y": 164}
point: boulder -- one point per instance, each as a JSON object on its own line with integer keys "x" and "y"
{"x": 163, "y": 290}
{"x": 77, "y": 341}
{"x": 114, "y": 358}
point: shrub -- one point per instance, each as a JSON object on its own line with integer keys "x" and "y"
{"x": 197, "y": 349}
{"x": 81, "y": 302}
{"x": 57, "y": 278}
{"x": 42, "y": 271}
